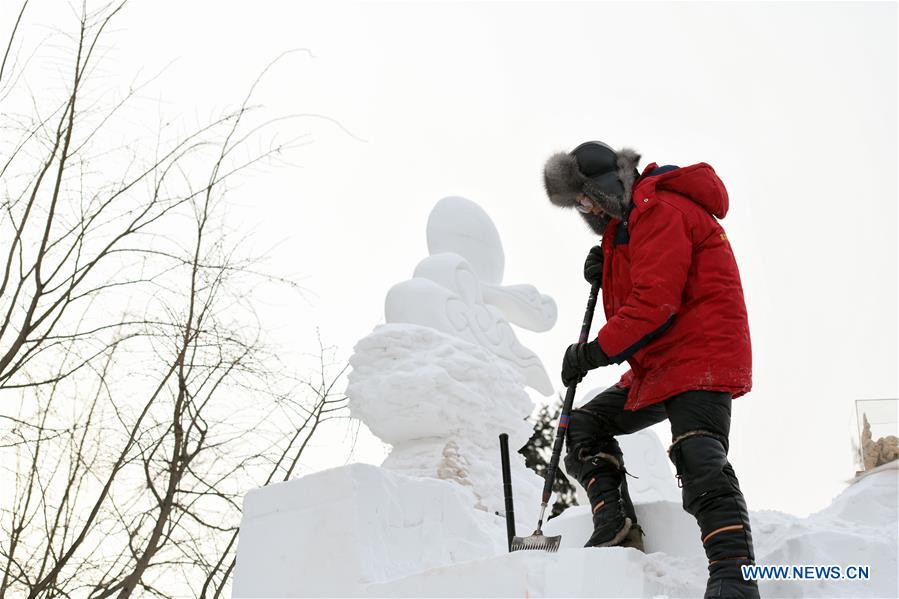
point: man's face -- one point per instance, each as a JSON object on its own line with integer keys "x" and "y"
{"x": 586, "y": 205}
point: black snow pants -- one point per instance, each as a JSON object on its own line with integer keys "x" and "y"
{"x": 700, "y": 425}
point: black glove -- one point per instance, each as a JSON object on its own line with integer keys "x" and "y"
{"x": 593, "y": 265}
{"x": 581, "y": 358}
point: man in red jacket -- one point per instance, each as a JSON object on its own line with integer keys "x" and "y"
{"x": 675, "y": 312}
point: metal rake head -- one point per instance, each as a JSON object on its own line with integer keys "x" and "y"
{"x": 537, "y": 541}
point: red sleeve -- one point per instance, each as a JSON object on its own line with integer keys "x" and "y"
{"x": 661, "y": 253}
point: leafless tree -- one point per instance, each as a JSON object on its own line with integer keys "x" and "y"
{"x": 139, "y": 398}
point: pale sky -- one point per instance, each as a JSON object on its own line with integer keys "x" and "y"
{"x": 793, "y": 104}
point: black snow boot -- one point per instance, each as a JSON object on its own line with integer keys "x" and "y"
{"x": 594, "y": 459}
{"x": 610, "y": 523}
{"x": 712, "y": 495}
{"x": 634, "y": 538}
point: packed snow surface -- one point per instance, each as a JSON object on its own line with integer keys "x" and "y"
{"x": 361, "y": 530}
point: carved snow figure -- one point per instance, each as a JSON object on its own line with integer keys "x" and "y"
{"x": 458, "y": 290}
{"x": 447, "y": 373}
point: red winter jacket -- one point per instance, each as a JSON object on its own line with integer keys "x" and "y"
{"x": 671, "y": 290}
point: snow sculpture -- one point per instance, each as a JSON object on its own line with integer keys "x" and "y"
{"x": 458, "y": 290}
{"x": 441, "y": 402}
{"x": 447, "y": 374}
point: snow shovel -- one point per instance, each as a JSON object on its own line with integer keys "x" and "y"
{"x": 538, "y": 540}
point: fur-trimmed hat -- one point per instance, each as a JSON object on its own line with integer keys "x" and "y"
{"x": 596, "y": 170}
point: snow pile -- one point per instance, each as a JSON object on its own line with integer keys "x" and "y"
{"x": 858, "y": 528}
{"x": 365, "y": 531}
{"x": 441, "y": 402}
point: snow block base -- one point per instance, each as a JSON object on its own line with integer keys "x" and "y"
{"x": 606, "y": 572}
{"x": 366, "y": 531}
{"x": 334, "y": 532}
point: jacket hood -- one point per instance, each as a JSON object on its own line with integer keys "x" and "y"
{"x": 699, "y": 182}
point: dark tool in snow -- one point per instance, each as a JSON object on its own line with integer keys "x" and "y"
{"x": 538, "y": 540}
{"x": 507, "y": 488}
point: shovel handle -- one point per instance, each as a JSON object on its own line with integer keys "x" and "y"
{"x": 507, "y": 487}
{"x": 566, "y": 405}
